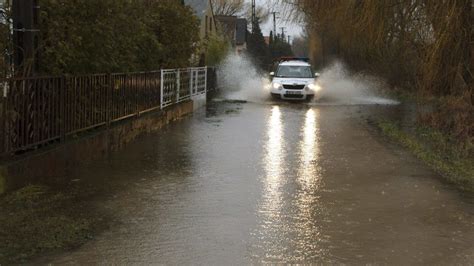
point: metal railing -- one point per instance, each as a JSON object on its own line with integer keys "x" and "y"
{"x": 180, "y": 84}
{"x": 39, "y": 111}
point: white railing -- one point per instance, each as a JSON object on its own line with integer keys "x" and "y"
{"x": 179, "y": 85}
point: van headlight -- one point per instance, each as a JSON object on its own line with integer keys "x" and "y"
{"x": 314, "y": 87}
{"x": 277, "y": 86}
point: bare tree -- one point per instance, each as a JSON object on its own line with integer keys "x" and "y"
{"x": 262, "y": 13}
{"x": 419, "y": 45}
{"x": 228, "y": 7}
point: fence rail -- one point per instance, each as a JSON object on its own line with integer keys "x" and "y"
{"x": 42, "y": 110}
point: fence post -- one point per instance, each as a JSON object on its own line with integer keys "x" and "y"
{"x": 191, "y": 75}
{"x": 178, "y": 83}
{"x": 161, "y": 89}
{"x": 137, "y": 92}
{"x": 62, "y": 111}
{"x": 196, "y": 78}
{"x": 108, "y": 100}
{"x": 205, "y": 80}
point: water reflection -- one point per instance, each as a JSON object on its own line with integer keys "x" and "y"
{"x": 269, "y": 235}
{"x": 273, "y": 161}
{"x": 290, "y": 211}
{"x": 309, "y": 175}
{"x": 309, "y": 179}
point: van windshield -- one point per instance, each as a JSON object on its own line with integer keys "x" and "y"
{"x": 294, "y": 72}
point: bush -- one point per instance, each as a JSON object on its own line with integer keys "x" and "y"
{"x": 115, "y": 36}
{"x": 217, "y": 49}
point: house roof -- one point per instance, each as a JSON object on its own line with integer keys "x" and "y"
{"x": 228, "y": 20}
{"x": 200, "y": 7}
{"x": 228, "y": 26}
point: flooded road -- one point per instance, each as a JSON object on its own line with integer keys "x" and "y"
{"x": 263, "y": 183}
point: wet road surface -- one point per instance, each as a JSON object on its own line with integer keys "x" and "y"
{"x": 263, "y": 183}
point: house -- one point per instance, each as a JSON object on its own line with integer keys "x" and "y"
{"x": 203, "y": 10}
{"x": 241, "y": 36}
{"x": 235, "y": 30}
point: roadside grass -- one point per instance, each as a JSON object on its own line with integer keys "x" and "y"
{"x": 36, "y": 220}
{"x": 437, "y": 150}
{"x": 401, "y": 94}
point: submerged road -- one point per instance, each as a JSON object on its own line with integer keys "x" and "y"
{"x": 274, "y": 182}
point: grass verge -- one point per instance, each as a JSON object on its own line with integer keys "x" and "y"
{"x": 36, "y": 220}
{"x": 436, "y": 150}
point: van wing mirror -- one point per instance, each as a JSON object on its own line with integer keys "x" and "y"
{"x": 317, "y": 74}
{"x": 272, "y": 74}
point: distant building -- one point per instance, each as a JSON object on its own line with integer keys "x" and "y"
{"x": 25, "y": 14}
{"x": 267, "y": 40}
{"x": 203, "y": 10}
{"x": 235, "y": 30}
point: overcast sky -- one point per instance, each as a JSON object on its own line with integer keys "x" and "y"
{"x": 291, "y": 28}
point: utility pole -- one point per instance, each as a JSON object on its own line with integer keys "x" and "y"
{"x": 254, "y": 16}
{"x": 274, "y": 22}
{"x": 283, "y": 33}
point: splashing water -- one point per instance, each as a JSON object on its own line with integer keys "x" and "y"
{"x": 342, "y": 88}
{"x": 239, "y": 79}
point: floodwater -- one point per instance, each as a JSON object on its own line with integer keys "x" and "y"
{"x": 274, "y": 183}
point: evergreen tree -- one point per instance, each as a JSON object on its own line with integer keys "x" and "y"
{"x": 278, "y": 48}
{"x": 281, "y": 48}
{"x": 257, "y": 48}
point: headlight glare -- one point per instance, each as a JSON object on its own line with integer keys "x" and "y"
{"x": 314, "y": 87}
{"x": 277, "y": 86}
